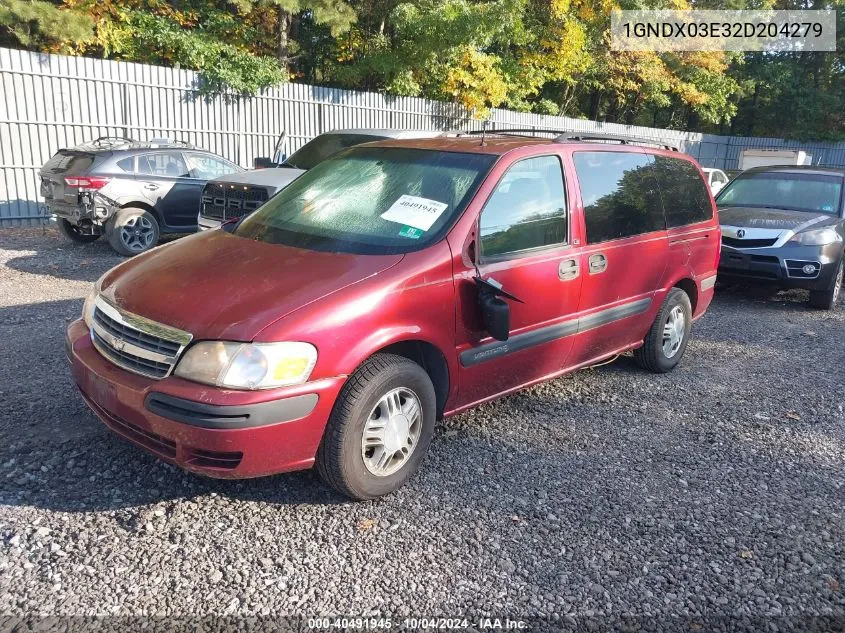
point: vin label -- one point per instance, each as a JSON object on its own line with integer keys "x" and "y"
{"x": 667, "y": 31}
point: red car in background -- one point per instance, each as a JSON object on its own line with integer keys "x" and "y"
{"x": 395, "y": 283}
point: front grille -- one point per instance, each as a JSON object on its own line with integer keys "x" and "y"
{"x": 795, "y": 268}
{"x": 134, "y": 343}
{"x": 222, "y": 201}
{"x": 737, "y": 243}
{"x": 136, "y": 337}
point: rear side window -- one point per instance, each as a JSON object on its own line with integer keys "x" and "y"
{"x": 619, "y": 192}
{"x": 526, "y": 210}
{"x": 684, "y": 193}
{"x": 163, "y": 164}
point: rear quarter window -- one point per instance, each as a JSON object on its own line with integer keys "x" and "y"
{"x": 683, "y": 190}
{"x": 619, "y": 193}
{"x": 127, "y": 164}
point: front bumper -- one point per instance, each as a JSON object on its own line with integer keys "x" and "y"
{"x": 205, "y": 223}
{"x": 782, "y": 266}
{"x": 215, "y": 432}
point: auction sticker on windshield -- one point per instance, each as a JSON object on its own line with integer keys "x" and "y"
{"x": 414, "y": 211}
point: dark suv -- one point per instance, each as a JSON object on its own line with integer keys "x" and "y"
{"x": 129, "y": 191}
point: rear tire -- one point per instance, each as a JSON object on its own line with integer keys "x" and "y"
{"x": 374, "y": 417}
{"x": 133, "y": 231}
{"x": 666, "y": 341}
{"x": 72, "y": 233}
{"x": 828, "y": 298}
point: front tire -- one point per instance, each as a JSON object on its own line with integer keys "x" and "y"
{"x": 666, "y": 341}
{"x": 72, "y": 233}
{"x": 828, "y": 298}
{"x": 379, "y": 429}
{"x": 133, "y": 231}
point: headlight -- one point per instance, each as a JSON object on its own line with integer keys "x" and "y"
{"x": 88, "y": 307}
{"x": 247, "y": 365}
{"x": 819, "y": 237}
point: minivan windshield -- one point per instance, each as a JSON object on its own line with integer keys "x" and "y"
{"x": 371, "y": 200}
{"x": 784, "y": 190}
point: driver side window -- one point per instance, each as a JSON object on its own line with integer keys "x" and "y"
{"x": 206, "y": 167}
{"x": 526, "y": 210}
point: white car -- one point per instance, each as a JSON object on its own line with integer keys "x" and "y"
{"x": 716, "y": 179}
{"x": 235, "y": 195}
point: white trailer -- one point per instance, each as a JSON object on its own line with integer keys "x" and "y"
{"x": 768, "y": 157}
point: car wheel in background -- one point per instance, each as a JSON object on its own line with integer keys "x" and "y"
{"x": 133, "y": 231}
{"x": 666, "y": 341}
{"x": 826, "y": 299}
{"x": 380, "y": 428}
{"x": 72, "y": 233}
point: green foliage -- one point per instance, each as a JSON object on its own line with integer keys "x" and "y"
{"x": 41, "y": 25}
{"x": 544, "y": 56}
{"x": 223, "y": 67}
{"x": 546, "y": 106}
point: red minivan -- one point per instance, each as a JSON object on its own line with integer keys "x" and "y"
{"x": 393, "y": 284}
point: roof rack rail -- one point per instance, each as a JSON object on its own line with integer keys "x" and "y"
{"x": 112, "y": 140}
{"x": 568, "y": 136}
{"x": 528, "y": 132}
{"x": 575, "y": 137}
{"x": 115, "y": 143}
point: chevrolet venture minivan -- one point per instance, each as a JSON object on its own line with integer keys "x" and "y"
{"x": 391, "y": 285}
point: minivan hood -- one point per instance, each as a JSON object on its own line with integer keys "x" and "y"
{"x": 216, "y": 285}
{"x": 780, "y": 219}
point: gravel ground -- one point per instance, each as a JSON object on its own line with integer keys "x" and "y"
{"x": 708, "y": 498}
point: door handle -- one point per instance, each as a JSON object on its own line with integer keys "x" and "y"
{"x": 151, "y": 186}
{"x": 597, "y": 263}
{"x": 568, "y": 269}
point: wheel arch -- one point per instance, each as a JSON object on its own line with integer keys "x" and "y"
{"x": 146, "y": 206}
{"x": 428, "y": 356}
{"x": 689, "y": 286}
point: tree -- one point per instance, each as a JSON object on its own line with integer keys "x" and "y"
{"x": 42, "y": 25}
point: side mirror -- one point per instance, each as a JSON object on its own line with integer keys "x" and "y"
{"x": 262, "y": 162}
{"x": 496, "y": 315}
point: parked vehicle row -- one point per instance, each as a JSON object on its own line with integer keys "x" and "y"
{"x": 390, "y": 285}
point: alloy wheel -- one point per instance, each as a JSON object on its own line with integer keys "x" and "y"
{"x": 673, "y": 331}
{"x": 391, "y": 432}
{"x": 137, "y": 234}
